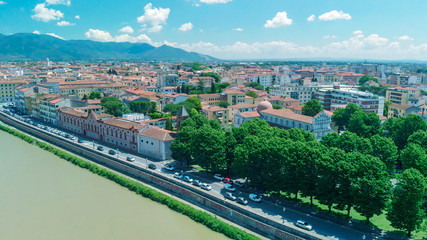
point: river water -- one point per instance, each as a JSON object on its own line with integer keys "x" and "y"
{"x": 44, "y": 197}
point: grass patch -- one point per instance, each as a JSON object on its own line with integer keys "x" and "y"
{"x": 198, "y": 168}
{"x": 197, "y": 215}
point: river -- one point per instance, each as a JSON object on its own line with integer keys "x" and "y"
{"x": 44, "y": 197}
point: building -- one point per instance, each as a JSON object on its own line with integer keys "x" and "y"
{"x": 338, "y": 96}
{"x": 215, "y": 112}
{"x": 155, "y": 142}
{"x": 400, "y": 95}
{"x": 240, "y": 108}
{"x": 7, "y": 90}
{"x": 300, "y": 93}
{"x": 211, "y": 99}
{"x": 401, "y": 110}
{"x": 233, "y": 96}
{"x": 48, "y": 106}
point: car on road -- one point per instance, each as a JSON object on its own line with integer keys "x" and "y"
{"x": 254, "y": 197}
{"x": 239, "y": 183}
{"x": 112, "y": 152}
{"x": 228, "y": 180}
{"x": 206, "y": 186}
{"x": 178, "y": 175}
{"x": 218, "y": 177}
{"x": 80, "y": 140}
{"x": 304, "y": 225}
{"x": 230, "y": 196}
{"x": 242, "y": 201}
{"x": 72, "y": 137}
{"x": 188, "y": 179}
{"x": 229, "y": 187}
{"x": 197, "y": 183}
{"x": 152, "y": 166}
{"x": 100, "y": 148}
{"x": 169, "y": 167}
{"x": 130, "y": 159}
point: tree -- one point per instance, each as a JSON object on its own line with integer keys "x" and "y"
{"x": 196, "y": 102}
{"x": 311, "y": 108}
{"x": 364, "y": 124}
{"x": 350, "y": 142}
{"x": 84, "y": 97}
{"x": 268, "y": 89}
{"x": 386, "y": 106}
{"x": 216, "y": 76}
{"x": 114, "y": 106}
{"x": 414, "y": 156}
{"x": 213, "y": 88}
{"x": 405, "y": 211}
{"x": 372, "y": 187}
{"x": 208, "y": 148}
{"x": 95, "y": 95}
{"x": 276, "y": 106}
{"x": 384, "y": 149}
{"x": 181, "y": 145}
{"x": 169, "y": 124}
{"x": 193, "y": 112}
{"x": 251, "y": 94}
{"x": 224, "y": 104}
{"x": 341, "y": 116}
{"x": 419, "y": 137}
{"x": 230, "y": 145}
{"x": 366, "y": 78}
{"x": 401, "y": 128}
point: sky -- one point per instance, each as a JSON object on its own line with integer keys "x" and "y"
{"x": 235, "y": 29}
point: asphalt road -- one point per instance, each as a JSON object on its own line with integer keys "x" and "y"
{"x": 270, "y": 210}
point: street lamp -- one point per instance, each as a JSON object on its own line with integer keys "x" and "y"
{"x": 117, "y": 153}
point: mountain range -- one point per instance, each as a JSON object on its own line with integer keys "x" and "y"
{"x": 28, "y": 46}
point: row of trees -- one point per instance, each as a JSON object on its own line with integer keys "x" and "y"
{"x": 143, "y": 107}
{"x": 343, "y": 171}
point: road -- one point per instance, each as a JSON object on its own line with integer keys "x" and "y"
{"x": 273, "y": 211}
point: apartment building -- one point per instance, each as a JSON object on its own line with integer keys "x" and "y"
{"x": 300, "y": 93}
{"x": 7, "y": 90}
{"x": 401, "y": 95}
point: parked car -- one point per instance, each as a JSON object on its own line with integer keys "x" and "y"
{"x": 197, "y": 183}
{"x": 112, "y": 152}
{"x": 169, "y": 167}
{"x": 152, "y": 166}
{"x": 178, "y": 175}
{"x": 228, "y": 180}
{"x": 240, "y": 184}
{"x": 206, "y": 186}
{"x": 130, "y": 158}
{"x": 304, "y": 225}
{"x": 80, "y": 140}
{"x": 188, "y": 179}
{"x": 218, "y": 177}
{"x": 100, "y": 148}
{"x": 242, "y": 201}
{"x": 230, "y": 196}
{"x": 72, "y": 137}
{"x": 229, "y": 187}
{"x": 254, "y": 197}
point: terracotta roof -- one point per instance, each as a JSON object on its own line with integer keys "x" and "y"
{"x": 122, "y": 123}
{"x": 211, "y": 95}
{"x": 288, "y": 114}
{"x": 158, "y": 133}
{"x": 295, "y": 107}
{"x": 213, "y": 108}
{"x": 250, "y": 114}
{"x": 56, "y": 100}
{"x": 242, "y": 105}
{"x": 401, "y": 106}
{"x": 72, "y": 112}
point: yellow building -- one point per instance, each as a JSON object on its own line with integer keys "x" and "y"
{"x": 7, "y": 90}
{"x": 400, "y": 95}
{"x": 211, "y": 99}
{"x": 400, "y": 110}
{"x": 82, "y": 90}
{"x": 234, "y": 96}
{"x": 215, "y": 112}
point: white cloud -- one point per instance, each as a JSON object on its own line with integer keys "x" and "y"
{"x": 104, "y": 36}
{"x": 186, "y": 27}
{"x": 54, "y": 35}
{"x": 215, "y": 1}
{"x": 65, "y": 23}
{"x": 77, "y": 17}
{"x": 405, "y": 38}
{"x": 154, "y": 16}
{"x": 280, "y": 20}
{"x": 46, "y": 14}
{"x": 334, "y": 15}
{"x": 36, "y": 32}
{"x": 311, "y": 18}
{"x": 127, "y": 29}
{"x": 238, "y": 29}
{"x": 196, "y": 5}
{"x": 358, "y": 32}
{"x": 329, "y": 36}
{"x": 2, "y": 2}
{"x": 56, "y": 2}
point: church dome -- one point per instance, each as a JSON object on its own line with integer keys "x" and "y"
{"x": 264, "y": 105}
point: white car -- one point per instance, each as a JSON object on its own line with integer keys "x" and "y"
{"x": 218, "y": 177}
{"x": 169, "y": 167}
{"x": 188, "y": 179}
{"x": 229, "y": 187}
{"x": 178, "y": 175}
{"x": 303, "y": 224}
{"x": 206, "y": 186}
{"x": 130, "y": 159}
{"x": 254, "y": 197}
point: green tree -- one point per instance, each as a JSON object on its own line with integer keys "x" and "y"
{"x": 330, "y": 139}
{"x": 196, "y": 102}
{"x": 364, "y": 124}
{"x": 224, "y": 104}
{"x": 401, "y": 128}
{"x": 268, "y": 89}
{"x": 372, "y": 187}
{"x": 84, "y": 97}
{"x": 384, "y": 149}
{"x": 216, "y": 76}
{"x": 311, "y": 108}
{"x": 386, "y": 106}
{"x": 169, "y": 124}
{"x": 251, "y": 94}
{"x": 181, "y": 145}
{"x": 94, "y": 95}
{"x": 350, "y": 142}
{"x": 193, "y": 112}
{"x": 347, "y": 175}
{"x": 230, "y": 145}
{"x": 419, "y": 137}
{"x": 341, "y": 116}
{"x": 209, "y": 148}
{"x": 414, "y": 156}
{"x": 213, "y": 88}
{"x": 114, "y": 106}
{"x": 405, "y": 211}
{"x": 276, "y": 106}
{"x": 364, "y": 79}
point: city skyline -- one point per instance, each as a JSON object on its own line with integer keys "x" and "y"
{"x": 235, "y": 29}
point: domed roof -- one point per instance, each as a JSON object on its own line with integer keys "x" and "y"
{"x": 264, "y": 105}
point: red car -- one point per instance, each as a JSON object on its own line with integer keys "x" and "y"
{"x": 228, "y": 180}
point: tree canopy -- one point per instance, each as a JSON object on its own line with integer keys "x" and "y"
{"x": 114, "y": 106}
{"x": 311, "y": 108}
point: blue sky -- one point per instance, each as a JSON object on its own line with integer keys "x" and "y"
{"x": 236, "y": 29}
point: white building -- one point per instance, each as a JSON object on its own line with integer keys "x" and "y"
{"x": 155, "y": 142}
